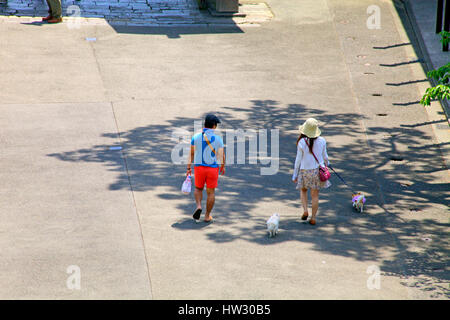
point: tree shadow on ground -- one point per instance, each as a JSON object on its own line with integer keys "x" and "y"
{"x": 364, "y": 237}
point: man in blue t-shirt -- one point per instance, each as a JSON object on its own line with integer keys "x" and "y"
{"x": 208, "y": 157}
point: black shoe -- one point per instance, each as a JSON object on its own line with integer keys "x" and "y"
{"x": 197, "y": 214}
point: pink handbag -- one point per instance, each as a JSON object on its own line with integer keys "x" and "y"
{"x": 324, "y": 173}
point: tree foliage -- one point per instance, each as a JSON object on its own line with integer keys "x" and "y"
{"x": 445, "y": 37}
{"x": 441, "y": 90}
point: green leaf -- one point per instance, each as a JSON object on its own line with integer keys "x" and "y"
{"x": 445, "y": 37}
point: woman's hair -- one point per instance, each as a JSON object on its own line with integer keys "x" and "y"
{"x": 310, "y": 141}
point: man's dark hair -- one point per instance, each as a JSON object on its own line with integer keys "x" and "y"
{"x": 211, "y": 120}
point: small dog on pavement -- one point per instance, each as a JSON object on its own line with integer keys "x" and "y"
{"x": 272, "y": 224}
{"x": 358, "y": 200}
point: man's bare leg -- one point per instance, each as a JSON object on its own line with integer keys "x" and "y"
{"x": 209, "y": 203}
{"x": 198, "y": 195}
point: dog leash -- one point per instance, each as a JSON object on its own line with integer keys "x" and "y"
{"x": 342, "y": 179}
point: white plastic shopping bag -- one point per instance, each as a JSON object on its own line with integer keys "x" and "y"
{"x": 186, "y": 187}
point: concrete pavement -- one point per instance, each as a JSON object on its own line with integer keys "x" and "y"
{"x": 58, "y": 214}
{"x": 119, "y": 214}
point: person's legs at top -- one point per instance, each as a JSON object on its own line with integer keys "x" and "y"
{"x": 55, "y": 7}
{"x": 315, "y": 204}
{"x": 304, "y": 199}
{"x": 49, "y": 12}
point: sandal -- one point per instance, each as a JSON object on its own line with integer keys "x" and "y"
{"x": 305, "y": 216}
{"x": 312, "y": 222}
{"x": 196, "y": 214}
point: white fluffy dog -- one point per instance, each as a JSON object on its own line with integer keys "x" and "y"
{"x": 272, "y": 224}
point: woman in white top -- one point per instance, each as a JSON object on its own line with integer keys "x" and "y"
{"x": 306, "y": 169}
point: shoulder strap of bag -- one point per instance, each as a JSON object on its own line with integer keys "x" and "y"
{"x": 209, "y": 143}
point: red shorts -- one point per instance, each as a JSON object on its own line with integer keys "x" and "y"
{"x": 208, "y": 175}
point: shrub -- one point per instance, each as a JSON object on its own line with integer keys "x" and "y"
{"x": 442, "y": 89}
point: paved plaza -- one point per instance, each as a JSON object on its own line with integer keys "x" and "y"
{"x": 90, "y": 200}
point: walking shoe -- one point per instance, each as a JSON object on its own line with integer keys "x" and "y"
{"x": 54, "y": 20}
{"x": 49, "y": 17}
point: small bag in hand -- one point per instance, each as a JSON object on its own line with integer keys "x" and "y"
{"x": 187, "y": 184}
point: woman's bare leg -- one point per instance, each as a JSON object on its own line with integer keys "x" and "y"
{"x": 304, "y": 199}
{"x": 314, "y": 202}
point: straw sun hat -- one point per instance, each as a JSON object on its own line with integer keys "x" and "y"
{"x": 310, "y": 128}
